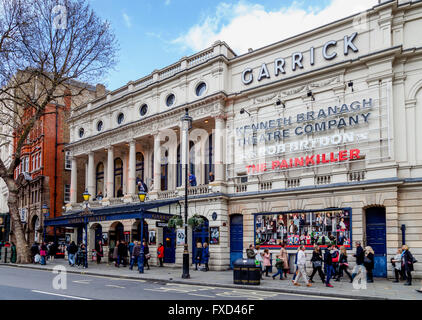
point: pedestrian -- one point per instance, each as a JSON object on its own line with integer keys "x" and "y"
{"x": 407, "y": 261}
{"x": 206, "y": 256}
{"x": 259, "y": 258}
{"x": 279, "y": 265}
{"x": 51, "y": 251}
{"x": 116, "y": 254}
{"x": 344, "y": 264}
{"x": 198, "y": 255}
{"x": 296, "y": 268}
{"x": 250, "y": 252}
{"x": 147, "y": 255}
{"x": 13, "y": 256}
{"x": 34, "y": 251}
{"x": 122, "y": 254}
{"x": 369, "y": 263}
{"x": 301, "y": 267}
{"x": 359, "y": 255}
{"x": 43, "y": 253}
{"x": 285, "y": 258}
{"x": 336, "y": 257}
{"x": 192, "y": 180}
{"x": 160, "y": 253}
{"x": 99, "y": 251}
{"x": 317, "y": 264}
{"x": 81, "y": 256}
{"x": 328, "y": 261}
{"x": 267, "y": 261}
{"x": 120, "y": 192}
{"x": 135, "y": 255}
{"x": 130, "y": 247}
{"x": 71, "y": 251}
{"x": 396, "y": 264}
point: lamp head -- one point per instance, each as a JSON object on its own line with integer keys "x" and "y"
{"x": 86, "y": 195}
{"x": 142, "y": 196}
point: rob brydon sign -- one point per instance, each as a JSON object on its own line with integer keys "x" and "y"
{"x": 297, "y": 60}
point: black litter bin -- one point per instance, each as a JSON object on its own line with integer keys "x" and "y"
{"x": 246, "y": 272}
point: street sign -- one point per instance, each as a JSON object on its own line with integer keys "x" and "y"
{"x": 161, "y": 224}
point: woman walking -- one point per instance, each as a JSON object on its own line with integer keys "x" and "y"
{"x": 43, "y": 253}
{"x": 147, "y": 255}
{"x": 343, "y": 264}
{"x": 99, "y": 251}
{"x": 368, "y": 262}
{"x": 198, "y": 255}
{"x": 396, "y": 262}
{"x": 407, "y": 261}
{"x": 206, "y": 256}
{"x": 317, "y": 264}
{"x": 267, "y": 261}
{"x": 285, "y": 258}
{"x": 259, "y": 258}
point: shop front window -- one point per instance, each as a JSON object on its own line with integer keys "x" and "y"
{"x": 307, "y": 228}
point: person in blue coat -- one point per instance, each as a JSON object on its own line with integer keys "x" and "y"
{"x": 206, "y": 255}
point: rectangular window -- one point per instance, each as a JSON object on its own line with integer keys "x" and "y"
{"x": 304, "y": 228}
{"x": 67, "y": 161}
{"x": 66, "y": 193}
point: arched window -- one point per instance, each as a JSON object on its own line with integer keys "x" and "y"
{"x": 139, "y": 167}
{"x": 99, "y": 178}
{"x": 118, "y": 178}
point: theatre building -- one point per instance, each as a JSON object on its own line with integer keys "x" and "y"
{"x": 312, "y": 139}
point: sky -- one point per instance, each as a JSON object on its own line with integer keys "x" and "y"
{"x": 153, "y": 34}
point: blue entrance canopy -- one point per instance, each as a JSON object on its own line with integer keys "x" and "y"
{"x": 118, "y": 212}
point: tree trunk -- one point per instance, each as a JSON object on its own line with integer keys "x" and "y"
{"x": 22, "y": 248}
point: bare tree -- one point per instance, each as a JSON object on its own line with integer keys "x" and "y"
{"x": 46, "y": 47}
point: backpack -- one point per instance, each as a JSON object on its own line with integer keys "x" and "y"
{"x": 336, "y": 257}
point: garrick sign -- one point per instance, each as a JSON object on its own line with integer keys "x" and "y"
{"x": 297, "y": 60}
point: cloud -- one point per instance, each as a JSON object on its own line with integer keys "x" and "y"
{"x": 246, "y": 25}
{"x": 127, "y": 20}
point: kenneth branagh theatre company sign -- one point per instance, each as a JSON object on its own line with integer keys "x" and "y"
{"x": 325, "y": 135}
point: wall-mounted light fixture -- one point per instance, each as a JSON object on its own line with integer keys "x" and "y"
{"x": 242, "y": 111}
{"x": 350, "y": 85}
{"x": 311, "y": 95}
{"x": 280, "y": 103}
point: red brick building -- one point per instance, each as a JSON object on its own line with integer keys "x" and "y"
{"x": 44, "y": 172}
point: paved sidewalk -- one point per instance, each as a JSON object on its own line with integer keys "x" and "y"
{"x": 380, "y": 289}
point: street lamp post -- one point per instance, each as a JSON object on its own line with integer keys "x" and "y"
{"x": 141, "y": 196}
{"x": 45, "y": 212}
{"x": 186, "y": 125}
{"x": 86, "y": 195}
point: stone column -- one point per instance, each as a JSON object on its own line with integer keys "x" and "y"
{"x": 91, "y": 175}
{"x": 157, "y": 163}
{"x": 74, "y": 181}
{"x": 132, "y": 168}
{"x": 220, "y": 145}
{"x": 110, "y": 172}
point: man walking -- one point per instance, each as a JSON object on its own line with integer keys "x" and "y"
{"x": 71, "y": 253}
{"x": 301, "y": 263}
{"x": 134, "y": 258}
{"x": 328, "y": 260}
{"x": 360, "y": 256}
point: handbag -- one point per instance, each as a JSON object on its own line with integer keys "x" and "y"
{"x": 366, "y": 260}
{"x": 317, "y": 264}
{"x": 148, "y": 256}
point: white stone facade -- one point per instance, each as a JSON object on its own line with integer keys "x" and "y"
{"x": 375, "y": 55}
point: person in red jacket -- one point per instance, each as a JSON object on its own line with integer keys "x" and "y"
{"x": 160, "y": 253}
